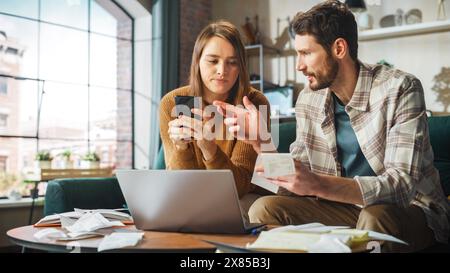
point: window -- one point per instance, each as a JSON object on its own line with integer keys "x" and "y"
{"x": 3, "y": 160}
{"x": 69, "y": 69}
{"x": 3, "y": 120}
{"x": 3, "y": 87}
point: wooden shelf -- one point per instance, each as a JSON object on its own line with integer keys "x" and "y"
{"x": 405, "y": 30}
{"x": 253, "y": 50}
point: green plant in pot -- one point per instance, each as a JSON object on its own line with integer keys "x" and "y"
{"x": 43, "y": 160}
{"x": 90, "y": 161}
{"x": 66, "y": 162}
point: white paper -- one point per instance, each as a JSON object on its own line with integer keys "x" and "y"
{"x": 384, "y": 237}
{"x": 331, "y": 243}
{"x": 66, "y": 221}
{"x": 316, "y": 237}
{"x": 119, "y": 240}
{"x": 261, "y": 181}
{"x": 284, "y": 241}
{"x": 79, "y": 236}
{"x": 91, "y": 222}
{"x": 308, "y": 228}
{"x": 49, "y": 233}
{"x": 277, "y": 164}
{"x": 114, "y": 214}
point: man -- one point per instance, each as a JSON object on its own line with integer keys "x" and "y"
{"x": 362, "y": 152}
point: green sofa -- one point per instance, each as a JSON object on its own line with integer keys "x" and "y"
{"x": 91, "y": 193}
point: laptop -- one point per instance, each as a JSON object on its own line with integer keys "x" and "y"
{"x": 198, "y": 201}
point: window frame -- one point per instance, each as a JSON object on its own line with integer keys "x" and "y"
{"x": 39, "y": 80}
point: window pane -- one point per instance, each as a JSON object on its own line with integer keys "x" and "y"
{"x": 110, "y": 114}
{"x": 18, "y": 108}
{"x": 18, "y": 46}
{"x": 64, "y": 54}
{"x": 27, "y": 8}
{"x": 64, "y": 112}
{"x": 113, "y": 153}
{"x": 18, "y": 155}
{"x": 72, "y": 13}
{"x": 110, "y": 62}
{"x": 103, "y": 61}
{"x": 107, "y": 18}
{"x": 56, "y": 147}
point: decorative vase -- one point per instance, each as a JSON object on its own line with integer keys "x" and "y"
{"x": 43, "y": 164}
{"x": 66, "y": 164}
{"x": 90, "y": 164}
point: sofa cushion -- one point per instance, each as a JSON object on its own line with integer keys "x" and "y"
{"x": 439, "y": 128}
{"x": 287, "y": 131}
{"x": 85, "y": 193}
{"x": 444, "y": 173}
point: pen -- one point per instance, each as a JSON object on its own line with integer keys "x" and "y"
{"x": 258, "y": 230}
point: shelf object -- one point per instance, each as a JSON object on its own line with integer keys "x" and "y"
{"x": 260, "y": 50}
{"x": 404, "y": 30}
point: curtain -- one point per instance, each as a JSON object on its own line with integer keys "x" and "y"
{"x": 165, "y": 51}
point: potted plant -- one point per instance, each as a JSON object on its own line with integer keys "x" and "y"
{"x": 66, "y": 162}
{"x": 90, "y": 161}
{"x": 43, "y": 160}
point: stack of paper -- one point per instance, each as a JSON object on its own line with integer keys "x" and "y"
{"x": 87, "y": 226}
{"x": 110, "y": 214}
{"x": 316, "y": 237}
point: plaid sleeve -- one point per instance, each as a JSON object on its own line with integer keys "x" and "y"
{"x": 403, "y": 152}
{"x": 298, "y": 150}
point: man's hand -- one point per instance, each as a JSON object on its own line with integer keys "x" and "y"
{"x": 246, "y": 124}
{"x": 303, "y": 182}
{"x": 307, "y": 183}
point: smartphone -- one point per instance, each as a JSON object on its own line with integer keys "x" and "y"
{"x": 184, "y": 104}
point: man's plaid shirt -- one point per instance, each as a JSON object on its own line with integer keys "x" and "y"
{"x": 387, "y": 113}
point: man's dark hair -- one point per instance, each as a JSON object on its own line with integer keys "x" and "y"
{"x": 327, "y": 22}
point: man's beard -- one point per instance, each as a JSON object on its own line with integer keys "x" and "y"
{"x": 326, "y": 79}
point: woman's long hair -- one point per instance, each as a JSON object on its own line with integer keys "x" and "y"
{"x": 230, "y": 33}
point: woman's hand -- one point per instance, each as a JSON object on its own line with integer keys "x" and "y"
{"x": 181, "y": 136}
{"x": 184, "y": 130}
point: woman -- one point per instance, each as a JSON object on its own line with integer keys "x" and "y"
{"x": 218, "y": 72}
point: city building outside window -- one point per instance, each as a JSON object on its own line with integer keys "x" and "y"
{"x": 67, "y": 70}
{"x": 3, "y": 160}
{"x": 3, "y": 120}
{"x": 3, "y": 87}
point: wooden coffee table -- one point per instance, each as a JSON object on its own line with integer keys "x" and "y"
{"x": 153, "y": 241}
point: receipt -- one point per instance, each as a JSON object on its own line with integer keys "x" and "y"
{"x": 274, "y": 164}
{"x": 277, "y": 164}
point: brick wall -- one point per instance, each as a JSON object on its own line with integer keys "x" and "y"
{"x": 123, "y": 153}
{"x": 194, "y": 16}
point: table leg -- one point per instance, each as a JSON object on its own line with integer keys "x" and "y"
{"x": 33, "y": 194}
